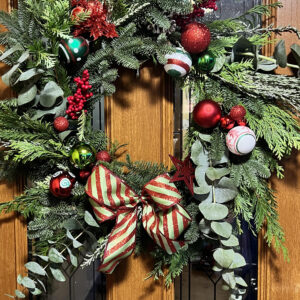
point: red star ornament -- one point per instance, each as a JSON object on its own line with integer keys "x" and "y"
{"x": 185, "y": 172}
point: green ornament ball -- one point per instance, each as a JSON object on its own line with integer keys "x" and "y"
{"x": 206, "y": 62}
{"x": 73, "y": 49}
{"x": 82, "y": 155}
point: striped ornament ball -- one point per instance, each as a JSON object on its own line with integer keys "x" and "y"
{"x": 179, "y": 63}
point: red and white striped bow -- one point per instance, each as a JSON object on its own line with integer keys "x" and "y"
{"x": 162, "y": 217}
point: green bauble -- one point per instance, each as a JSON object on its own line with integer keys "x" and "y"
{"x": 82, "y": 155}
{"x": 206, "y": 62}
{"x": 73, "y": 49}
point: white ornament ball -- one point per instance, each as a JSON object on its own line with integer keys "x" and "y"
{"x": 241, "y": 140}
{"x": 179, "y": 63}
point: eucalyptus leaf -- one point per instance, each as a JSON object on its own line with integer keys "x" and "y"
{"x": 36, "y": 292}
{"x": 55, "y": 256}
{"x": 224, "y": 229}
{"x": 57, "y": 274}
{"x": 41, "y": 284}
{"x": 213, "y": 211}
{"x": 242, "y": 45}
{"x": 233, "y": 241}
{"x": 34, "y": 267}
{"x": 23, "y": 57}
{"x": 238, "y": 261}
{"x": 72, "y": 224}
{"x": 296, "y": 52}
{"x": 50, "y": 94}
{"x": 204, "y": 137}
{"x": 56, "y": 111}
{"x": 280, "y": 54}
{"x": 19, "y": 294}
{"x": 203, "y": 187}
{"x": 28, "y": 282}
{"x": 30, "y": 73}
{"x": 27, "y": 95}
{"x": 63, "y": 135}
{"x": 7, "y": 76}
{"x": 204, "y": 226}
{"x": 225, "y": 190}
{"x": 198, "y": 156}
{"x": 73, "y": 258}
{"x": 19, "y": 279}
{"x": 266, "y": 65}
{"x": 224, "y": 257}
{"x": 76, "y": 244}
{"x": 42, "y": 257}
{"x": 220, "y": 61}
{"x": 240, "y": 281}
{"x": 216, "y": 269}
{"x": 89, "y": 219}
{"x": 229, "y": 278}
{"x": 216, "y": 173}
{"x": 10, "y": 51}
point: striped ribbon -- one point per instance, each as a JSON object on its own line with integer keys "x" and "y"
{"x": 162, "y": 217}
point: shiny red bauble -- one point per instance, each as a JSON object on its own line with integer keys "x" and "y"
{"x": 61, "y": 124}
{"x": 227, "y": 123}
{"x": 207, "y": 113}
{"x": 195, "y": 37}
{"x": 238, "y": 112}
{"x": 103, "y": 156}
{"x": 62, "y": 183}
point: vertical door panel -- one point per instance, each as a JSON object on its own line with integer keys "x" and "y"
{"x": 140, "y": 114}
{"x": 277, "y": 278}
{"x": 13, "y": 240}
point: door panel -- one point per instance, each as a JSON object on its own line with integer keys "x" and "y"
{"x": 140, "y": 114}
{"x": 278, "y": 279}
{"x": 13, "y": 240}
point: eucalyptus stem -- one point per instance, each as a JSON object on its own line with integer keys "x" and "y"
{"x": 268, "y": 58}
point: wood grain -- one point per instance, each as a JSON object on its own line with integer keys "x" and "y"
{"x": 278, "y": 279}
{"x": 13, "y": 239}
{"x": 140, "y": 114}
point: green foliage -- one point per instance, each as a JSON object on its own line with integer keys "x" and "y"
{"x": 235, "y": 71}
{"x": 277, "y": 128}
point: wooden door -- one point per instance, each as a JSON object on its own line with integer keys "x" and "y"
{"x": 141, "y": 114}
{"x": 278, "y": 279}
{"x": 13, "y": 240}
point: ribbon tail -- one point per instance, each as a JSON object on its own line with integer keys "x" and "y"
{"x": 121, "y": 242}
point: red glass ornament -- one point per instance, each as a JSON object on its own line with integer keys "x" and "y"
{"x": 207, "y": 113}
{"x": 226, "y": 122}
{"x": 103, "y": 156}
{"x": 61, "y": 124}
{"x": 238, "y": 112}
{"x": 62, "y": 183}
{"x": 195, "y": 37}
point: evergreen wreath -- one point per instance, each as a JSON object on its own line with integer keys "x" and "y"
{"x": 64, "y": 57}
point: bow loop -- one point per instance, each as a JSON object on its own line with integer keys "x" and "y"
{"x": 162, "y": 192}
{"x": 111, "y": 198}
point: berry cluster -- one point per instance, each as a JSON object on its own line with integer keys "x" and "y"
{"x": 198, "y": 12}
{"x": 76, "y": 102}
{"x": 237, "y": 114}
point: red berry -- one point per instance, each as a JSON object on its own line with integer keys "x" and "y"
{"x": 84, "y": 174}
{"x": 103, "y": 156}
{"x": 226, "y": 122}
{"x": 238, "y": 112}
{"x": 61, "y": 124}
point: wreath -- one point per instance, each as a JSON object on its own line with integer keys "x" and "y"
{"x": 80, "y": 199}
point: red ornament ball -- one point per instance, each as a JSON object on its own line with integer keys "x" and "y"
{"x": 103, "y": 156}
{"x": 195, "y": 37}
{"x": 61, "y": 184}
{"x": 207, "y": 113}
{"x": 61, "y": 124}
{"x": 238, "y": 112}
